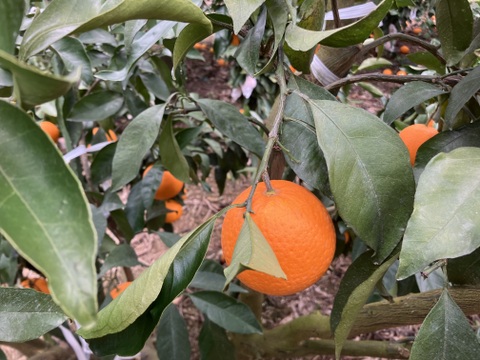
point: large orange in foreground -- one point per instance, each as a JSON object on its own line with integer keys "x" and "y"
{"x": 414, "y": 136}
{"x": 298, "y": 228}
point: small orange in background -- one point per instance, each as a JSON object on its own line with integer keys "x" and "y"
{"x": 51, "y": 129}
{"x": 117, "y": 290}
{"x": 414, "y": 136}
{"x": 404, "y": 49}
{"x": 235, "y": 40}
{"x": 200, "y": 46}
{"x": 39, "y": 284}
{"x": 401, "y": 73}
{"x": 175, "y": 212}
{"x": 111, "y": 136}
{"x": 169, "y": 187}
{"x": 221, "y": 62}
{"x": 298, "y": 228}
{"x": 417, "y": 30}
{"x": 387, "y": 72}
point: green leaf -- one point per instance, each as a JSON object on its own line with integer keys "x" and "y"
{"x": 461, "y": 94}
{"x": 408, "y": 96}
{"x": 226, "y": 312}
{"x": 240, "y": 11}
{"x": 11, "y": 15}
{"x": 138, "y": 48}
{"x": 214, "y": 343}
{"x": 34, "y": 87}
{"x": 101, "y": 168}
{"x": 454, "y": 21}
{"x": 172, "y": 335}
{"x": 172, "y": 157}
{"x": 373, "y": 63}
{"x": 63, "y": 17}
{"x": 136, "y": 140}
{"x": 96, "y": 106}
{"x": 135, "y": 208}
{"x": 445, "y": 334}
{"x": 356, "y": 287}
{"x": 191, "y": 34}
{"x": 121, "y": 255}
{"x": 355, "y": 33}
{"x": 252, "y": 251}
{"x": 234, "y": 125}
{"x": 38, "y": 189}
{"x": 446, "y": 141}
{"x": 299, "y": 138}
{"x": 370, "y": 173}
{"x": 248, "y": 51}
{"x": 126, "y": 323}
{"x": 427, "y": 59}
{"x": 445, "y": 222}
{"x": 74, "y": 56}
{"x": 27, "y": 314}
{"x": 465, "y": 270}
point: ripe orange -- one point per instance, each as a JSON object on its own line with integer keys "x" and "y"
{"x": 414, "y": 136}
{"x": 298, "y": 228}
{"x": 175, "y": 213}
{"x": 39, "y": 284}
{"x": 111, "y": 136}
{"x": 169, "y": 187}
{"x": 117, "y": 290}
{"x": 401, "y": 73}
{"x": 200, "y": 46}
{"x": 221, "y": 62}
{"x": 235, "y": 40}
{"x": 404, "y": 49}
{"x": 387, "y": 72}
{"x": 51, "y": 129}
{"x": 417, "y": 30}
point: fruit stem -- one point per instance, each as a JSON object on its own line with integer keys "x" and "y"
{"x": 273, "y": 134}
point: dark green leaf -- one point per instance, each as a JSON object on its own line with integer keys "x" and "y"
{"x": 11, "y": 15}
{"x": 74, "y": 56}
{"x": 226, "y": 312}
{"x": 34, "y": 87}
{"x": 454, "y": 21}
{"x": 445, "y": 222}
{"x": 155, "y": 83}
{"x": 171, "y": 154}
{"x": 127, "y": 322}
{"x": 446, "y": 141}
{"x": 96, "y": 106}
{"x": 101, "y": 168}
{"x": 355, "y": 33}
{"x": 123, "y": 225}
{"x": 63, "y": 17}
{"x": 427, "y": 59}
{"x": 370, "y": 173}
{"x": 27, "y": 314}
{"x": 134, "y": 143}
{"x": 172, "y": 335}
{"x": 248, "y": 51}
{"x": 445, "y": 334}
{"x": 356, "y": 287}
{"x": 214, "y": 343}
{"x": 99, "y": 221}
{"x": 121, "y": 255}
{"x": 241, "y": 11}
{"x": 29, "y": 157}
{"x": 2, "y": 355}
{"x": 408, "y": 96}
{"x": 461, "y": 93}
{"x": 465, "y": 269}
{"x": 234, "y": 125}
{"x": 135, "y": 208}
{"x": 168, "y": 238}
{"x": 191, "y": 34}
{"x": 138, "y": 48}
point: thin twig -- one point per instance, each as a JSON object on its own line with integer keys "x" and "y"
{"x": 336, "y": 14}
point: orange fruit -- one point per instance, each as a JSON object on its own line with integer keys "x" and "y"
{"x": 417, "y": 30}
{"x": 298, "y": 228}
{"x": 404, "y": 49}
{"x": 117, "y": 290}
{"x": 169, "y": 187}
{"x": 401, "y": 73}
{"x": 292, "y": 69}
{"x": 175, "y": 212}
{"x": 387, "y": 72}
{"x": 111, "y": 136}
{"x": 200, "y": 46}
{"x": 235, "y": 40}
{"x": 51, "y": 129}
{"x": 221, "y": 62}
{"x": 39, "y": 284}
{"x": 414, "y": 136}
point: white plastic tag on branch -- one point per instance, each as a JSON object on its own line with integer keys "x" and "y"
{"x": 80, "y": 150}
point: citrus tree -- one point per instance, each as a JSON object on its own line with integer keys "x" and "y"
{"x": 109, "y": 78}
